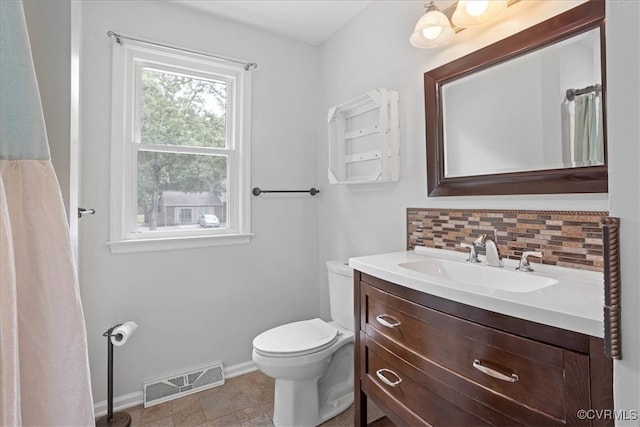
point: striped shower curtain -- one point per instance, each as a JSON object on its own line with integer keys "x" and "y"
{"x": 44, "y": 368}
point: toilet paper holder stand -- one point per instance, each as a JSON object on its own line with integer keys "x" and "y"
{"x": 119, "y": 419}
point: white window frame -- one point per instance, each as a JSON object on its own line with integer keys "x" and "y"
{"x": 128, "y": 59}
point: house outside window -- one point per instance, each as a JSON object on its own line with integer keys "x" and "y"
{"x": 180, "y": 149}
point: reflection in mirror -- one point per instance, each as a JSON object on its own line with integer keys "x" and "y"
{"x": 539, "y": 111}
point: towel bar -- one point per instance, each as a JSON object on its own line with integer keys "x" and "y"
{"x": 257, "y": 191}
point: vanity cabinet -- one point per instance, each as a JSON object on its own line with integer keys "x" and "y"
{"x": 426, "y": 360}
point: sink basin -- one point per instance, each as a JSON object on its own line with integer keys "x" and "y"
{"x": 479, "y": 275}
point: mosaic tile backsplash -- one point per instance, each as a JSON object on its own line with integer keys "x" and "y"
{"x": 566, "y": 239}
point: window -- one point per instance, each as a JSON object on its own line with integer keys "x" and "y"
{"x": 180, "y": 149}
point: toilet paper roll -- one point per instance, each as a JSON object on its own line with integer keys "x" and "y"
{"x": 122, "y": 333}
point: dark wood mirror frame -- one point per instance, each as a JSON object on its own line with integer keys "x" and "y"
{"x": 590, "y": 179}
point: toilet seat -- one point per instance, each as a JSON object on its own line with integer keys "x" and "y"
{"x": 296, "y": 339}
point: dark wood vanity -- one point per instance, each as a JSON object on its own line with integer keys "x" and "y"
{"x": 425, "y": 360}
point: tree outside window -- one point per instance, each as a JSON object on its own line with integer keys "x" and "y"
{"x": 179, "y": 111}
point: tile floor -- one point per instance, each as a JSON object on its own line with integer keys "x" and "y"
{"x": 246, "y": 400}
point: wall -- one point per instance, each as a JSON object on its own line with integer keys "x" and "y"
{"x": 373, "y": 51}
{"x": 198, "y": 306}
{"x": 473, "y": 131}
{"x": 49, "y": 25}
{"x": 623, "y": 129}
{"x": 53, "y": 33}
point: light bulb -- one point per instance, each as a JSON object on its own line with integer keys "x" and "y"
{"x": 433, "y": 29}
{"x": 477, "y": 7}
{"x": 432, "y": 32}
{"x": 470, "y": 13}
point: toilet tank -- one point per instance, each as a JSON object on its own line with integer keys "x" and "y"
{"x": 341, "y": 293}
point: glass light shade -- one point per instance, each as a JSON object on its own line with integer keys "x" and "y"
{"x": 470, "y": 13}
{"x": 432, "y": 30}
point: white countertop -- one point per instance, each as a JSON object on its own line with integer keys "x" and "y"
{"x": 574, "y": 303}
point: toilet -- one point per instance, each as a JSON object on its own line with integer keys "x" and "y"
{"x": 312, "y": 360}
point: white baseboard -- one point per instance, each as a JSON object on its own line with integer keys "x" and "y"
{"x": 137, "y": 398}
{"x": 119, "y": 403}
{"x": 240, "y": 369}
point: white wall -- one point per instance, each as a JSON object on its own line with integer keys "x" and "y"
{"x": 198, "y": 306}
{"x": 373, "y": 51}
{"x": 476, "y": 146}
{"x": 623, "y": 129}
{"x": 213, "y": 289}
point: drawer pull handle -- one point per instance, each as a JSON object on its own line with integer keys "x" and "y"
{"x": 381, "y": 319}
{"x": 493, "y": 373}
{"x": 385, "y": 380}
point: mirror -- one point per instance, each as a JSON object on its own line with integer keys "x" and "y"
{"x": 537, "y": 127}
{"x": 524, "y": 115}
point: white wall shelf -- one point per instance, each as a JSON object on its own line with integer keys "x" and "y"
{"x": 364, "y": 143}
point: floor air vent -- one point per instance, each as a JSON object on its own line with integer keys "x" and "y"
{"x": 175, "y": 386}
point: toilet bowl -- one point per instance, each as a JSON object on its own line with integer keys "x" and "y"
{"x": 312, "y": 360}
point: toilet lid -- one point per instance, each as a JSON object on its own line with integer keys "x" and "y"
{"x": 296, "y": 339}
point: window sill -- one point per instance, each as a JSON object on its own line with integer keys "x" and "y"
{"x": 177, "y": 243}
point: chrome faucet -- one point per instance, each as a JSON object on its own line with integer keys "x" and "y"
{"x": 473, "y": 253}
{"x": 492, "y": 253}
{"x": 524, "y": 262}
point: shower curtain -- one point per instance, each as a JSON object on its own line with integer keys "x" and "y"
{"x": 582, "y": 130}
{"x": 44, "y": 367}
{"x": 589, "y": 145}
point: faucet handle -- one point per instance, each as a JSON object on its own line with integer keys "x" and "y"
{"x": 524, "y": 262}
{"x": 532, "y": 253}
{"x": 480, "y": 240}
{"x": 473, "y": 254}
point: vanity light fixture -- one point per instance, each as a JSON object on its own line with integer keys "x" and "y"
{"x": 435, "y": 29}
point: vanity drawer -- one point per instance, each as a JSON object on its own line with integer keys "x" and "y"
{"x": 546, "y": 379}
{"x": 416, "y": 398}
